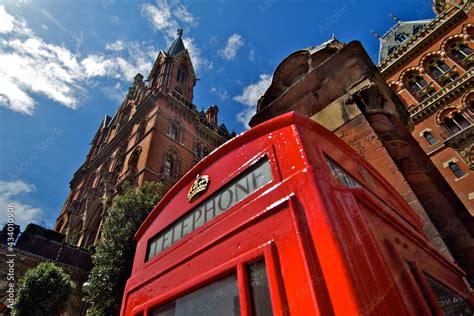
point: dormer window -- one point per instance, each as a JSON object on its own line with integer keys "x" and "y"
{"x": 182, "y": 75}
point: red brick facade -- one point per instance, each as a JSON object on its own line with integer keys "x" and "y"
{"x": 432, "y": 73}
{"x": 156, "y": 135}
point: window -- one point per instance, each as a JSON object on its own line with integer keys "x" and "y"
{"x": 455, "y": 169}
{"x": 182, "y": 75}
{"x": 168, "y": 166}
{"x": 437, "y": 68}
{"x": 216, "y": 299}
{"x": 459, "y": 51}
{"x": 455, "y": 124}
{"x": 175, "y": 132}
{"x": 341, "y": 175}
{"x": 415, "y": 83}
{"x": 259, "y": 289}
{"x": 450, "y": 302}
{"x": 133, "y": 160}
{"x": 201, "y": 152}
{"x": 429, "y": 137}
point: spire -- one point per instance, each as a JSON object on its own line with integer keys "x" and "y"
{"x": 178, "y": 45}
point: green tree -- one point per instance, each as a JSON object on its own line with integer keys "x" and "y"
{"x": 44, "y": 290}
{"x": 113, "y": 258}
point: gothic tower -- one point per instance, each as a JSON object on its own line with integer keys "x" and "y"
{"x": 156, "y": 135}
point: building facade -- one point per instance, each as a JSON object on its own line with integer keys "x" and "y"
{"x": 338, "y": 86}
{"x": 157, "y": 134}
{"x": 429, "y": 65}
{"x": 33, "y": 246}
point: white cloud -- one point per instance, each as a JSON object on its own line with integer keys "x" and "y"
{"x": 221, "y": 93}
{"x": 13, "y": 191}
{"x": 6, "y": 21}
{"x": 166, "y": 17}
{"x": 118, "y": 45}
{"x": 249, "y": 97}
{"x": 199, "y": 62}
{"x": 182, "y": 14}
{"x": 115, "y": 93}
{"x": 233, "y": 44}
{"x": 30, "y": 66}
{"x": 160, "y": 17}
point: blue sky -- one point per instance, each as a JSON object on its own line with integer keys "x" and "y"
{"x": 65, "y": 64}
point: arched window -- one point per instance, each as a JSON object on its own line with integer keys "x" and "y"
{"x": 201, "y": 151}
{"x": 418, "y": 86}
{"x": 134, "y": 157}
{"x": 440, "y": 71}
{"x": 459, "y": 51}
{"x": 176, "y": 131}
{"x": 168, "y": 166}
{"x": 415, "y": 82}
{"x": 437, "y": 67}
{"x": 171, "y": 163}
{"x": 182, "y": 75}
{"x": 454, "y": 124}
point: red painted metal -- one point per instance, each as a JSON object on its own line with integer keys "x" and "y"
{"x": 328, "y": 249}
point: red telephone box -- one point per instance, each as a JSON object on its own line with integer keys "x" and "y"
{"x": 286, "y": 219}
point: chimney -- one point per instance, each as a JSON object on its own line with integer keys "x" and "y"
{"x": 211, "y": 114}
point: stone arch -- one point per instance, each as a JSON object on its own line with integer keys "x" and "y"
{"x": 395, "y": 85}
{"x": 467, "y": 100}
{"x": 468, "y": 29}
{"x": 470, "y": 156}
{"x": 410, "y": 70}
{"x": 434, "y": 54}
{"x": 446, "y": 112}
{"x": 453, "y": 38}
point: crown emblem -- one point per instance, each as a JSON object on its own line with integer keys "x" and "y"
{"x": 200, "y": 185}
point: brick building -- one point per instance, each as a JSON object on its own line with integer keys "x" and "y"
{"x": 338, "y": 86}
{"x": 429, "y": 66}
{"x": 35, "y": 245}
{"x": 157, "y": 134}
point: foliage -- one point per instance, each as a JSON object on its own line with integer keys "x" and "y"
{"x": 44, "y": 290}
{"x": 113, "y": 258}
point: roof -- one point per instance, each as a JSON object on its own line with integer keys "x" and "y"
{"x": 49, "y": 244}
{"x": 177, "y": 46}
{"x": 397, "y": 35}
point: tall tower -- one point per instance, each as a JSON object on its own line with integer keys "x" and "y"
{"x": 156, "y": 135}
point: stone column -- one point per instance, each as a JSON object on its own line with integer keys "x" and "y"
{"x": 446, "y": 211}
